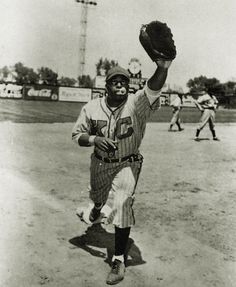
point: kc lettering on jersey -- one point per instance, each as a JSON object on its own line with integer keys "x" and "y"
{"x": 125, "y": 124}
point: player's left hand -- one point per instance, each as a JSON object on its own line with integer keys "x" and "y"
{"x": 157, "y": 40}
{"x": 105, "y": 144}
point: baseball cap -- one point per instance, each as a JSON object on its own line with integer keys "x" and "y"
{"x": 115, "y": 71}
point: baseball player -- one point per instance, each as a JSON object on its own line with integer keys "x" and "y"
{"x": 115, "y": 126}
{"x": 176, "y": 105}
{"x": 207, "y": 104}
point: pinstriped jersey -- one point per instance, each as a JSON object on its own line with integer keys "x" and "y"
{"x": 125, "y": 124}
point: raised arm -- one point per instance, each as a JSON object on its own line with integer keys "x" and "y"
{"x": 158, "y": 79}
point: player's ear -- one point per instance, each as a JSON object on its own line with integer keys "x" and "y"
{"x": 107, "y": 87}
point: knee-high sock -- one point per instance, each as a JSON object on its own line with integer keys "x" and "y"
{"x": 121, "y": 239}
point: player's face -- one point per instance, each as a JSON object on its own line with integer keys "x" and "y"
{"x": 117, "y": 88}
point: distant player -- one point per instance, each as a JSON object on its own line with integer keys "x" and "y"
{"x": 115, "y": 126}
{"x": 207, "y": 104}
{"x": 176, "y": 105}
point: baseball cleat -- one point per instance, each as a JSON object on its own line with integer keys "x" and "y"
{"x": 89, "y": 217}
{"x": 197, "y": 139}
{"x": 116, "y": 273}
{"x": 216, "y": 139}
{"x": 94, "y": 214}
{"x": 181, "y": 129}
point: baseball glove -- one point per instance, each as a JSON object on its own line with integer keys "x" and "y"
{"x": 157, "y": 40}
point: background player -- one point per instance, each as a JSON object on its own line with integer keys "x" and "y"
{"x": 176, "y": 104}
{"x": 207, "y": 104}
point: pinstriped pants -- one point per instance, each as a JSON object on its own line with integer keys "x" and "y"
{"x": 119, "y": 178}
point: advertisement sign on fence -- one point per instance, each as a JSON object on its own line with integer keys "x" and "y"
{"x": 98, "y": 93}
{"x": 40, "y": 92}
{"x": 70, "y": 94}
{"x": 10, "y": 91}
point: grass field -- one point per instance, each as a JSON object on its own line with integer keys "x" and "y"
{"x": 22, "y": 111}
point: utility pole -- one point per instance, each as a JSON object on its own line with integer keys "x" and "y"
{"x": 83, "y": 32}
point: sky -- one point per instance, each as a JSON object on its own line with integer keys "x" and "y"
{"x": 46, "y": 33}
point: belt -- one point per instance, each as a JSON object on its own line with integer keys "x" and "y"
{"x": 130, "y": 158}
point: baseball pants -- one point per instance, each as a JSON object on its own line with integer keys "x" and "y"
{"x": 121, "y": 180}
{"x": 175, "y": 118}
{"x": 208, "y": 115}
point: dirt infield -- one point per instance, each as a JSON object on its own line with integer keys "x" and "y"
{"x": 185, "y": 210}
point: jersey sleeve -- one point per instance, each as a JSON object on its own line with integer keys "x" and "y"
{"x": 145, "y": 101}
{"x": 82, "y": 125}
{"x": 153, "y": 97}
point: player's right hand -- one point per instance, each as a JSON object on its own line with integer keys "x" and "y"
{"x": 105, "y": 144}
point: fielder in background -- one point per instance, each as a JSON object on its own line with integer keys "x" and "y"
{"x": 207, "y": 104}
{"x": 115, "y": 126}
{"x": 176, "y": 105}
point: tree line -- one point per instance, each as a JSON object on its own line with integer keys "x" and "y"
{"x": 212, "y": 86}
{"x": 22, "y": 74}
